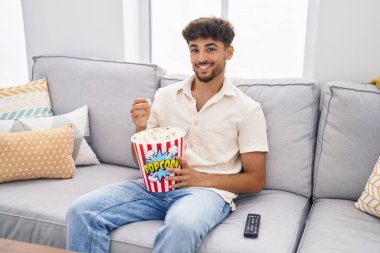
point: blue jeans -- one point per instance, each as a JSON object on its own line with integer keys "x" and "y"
{"x": 189, "y": 213}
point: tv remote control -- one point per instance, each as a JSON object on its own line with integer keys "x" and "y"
{"x": 252, "y": 225}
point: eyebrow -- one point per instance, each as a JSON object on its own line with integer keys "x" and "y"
{"x": 207, "y": 45}
{"x": 211, "y": 44}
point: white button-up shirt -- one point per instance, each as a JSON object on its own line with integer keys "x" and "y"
{"x": 228, "y": 124}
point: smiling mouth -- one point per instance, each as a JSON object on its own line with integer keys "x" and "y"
{"x": 204, "y": 66}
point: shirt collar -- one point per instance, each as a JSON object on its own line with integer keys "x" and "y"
{"x": 228, "y": 89}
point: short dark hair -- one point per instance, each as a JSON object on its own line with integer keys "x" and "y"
{"x": 209, "y": 27}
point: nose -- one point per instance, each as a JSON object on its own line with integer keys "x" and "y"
{"x": 202, "y": 56}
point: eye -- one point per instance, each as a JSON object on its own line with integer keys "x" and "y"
{"x": 193, "y": 50}
{"x": 210, "y": 50}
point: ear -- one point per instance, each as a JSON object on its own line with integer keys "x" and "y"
{"x": 229, "y": 52}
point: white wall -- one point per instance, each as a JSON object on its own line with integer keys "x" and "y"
{"x": 136, "y": 31}
{"x": 13, "y": 65}
{"x": 343, "y": 40}
{"x": 85, "y": 28}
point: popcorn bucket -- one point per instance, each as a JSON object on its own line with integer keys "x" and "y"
{"x": 156, "y": 149}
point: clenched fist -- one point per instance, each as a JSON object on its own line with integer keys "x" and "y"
{"x": 140, "y": 113}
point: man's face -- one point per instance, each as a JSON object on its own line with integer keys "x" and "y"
{"x": 208, "y": 58}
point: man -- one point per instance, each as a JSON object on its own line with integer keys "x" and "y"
{"x": 226, "y": 131}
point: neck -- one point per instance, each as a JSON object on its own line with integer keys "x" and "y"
{"x": 202, "y": 92}
{"x": 211, "y": 88}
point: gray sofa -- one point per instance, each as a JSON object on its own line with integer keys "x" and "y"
{"x": 323, "y": 146}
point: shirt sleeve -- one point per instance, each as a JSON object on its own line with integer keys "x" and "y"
{"x": 253, "y": 131}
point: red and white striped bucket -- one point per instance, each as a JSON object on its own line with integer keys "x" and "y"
{"x": 155, "y": 157}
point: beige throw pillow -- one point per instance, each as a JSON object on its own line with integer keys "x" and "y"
{"x": 369, "y": 201}
{"x": 25, "y": 101}
{"x": 37, "y": 154}
{"x": 82, "y": 154}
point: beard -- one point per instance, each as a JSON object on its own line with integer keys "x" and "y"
{"x": 207, "y": 78}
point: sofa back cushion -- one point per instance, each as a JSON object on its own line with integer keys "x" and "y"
{"x": 348, "y": 142}
{"x": 108, "y": 88}
{"x": 291, "y": 111}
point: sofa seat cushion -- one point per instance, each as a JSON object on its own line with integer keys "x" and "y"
{"x": 41, "y": 218}
{"x": 337, "y": 226}
{"x": 35, "y": 211}
{"x": 282, "y": 213}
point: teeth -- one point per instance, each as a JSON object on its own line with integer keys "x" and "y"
{"x": 204, "y": 66}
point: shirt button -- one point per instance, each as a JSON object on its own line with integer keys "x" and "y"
{"x": 195, "y": 123}
{"x": 190, "y": 145}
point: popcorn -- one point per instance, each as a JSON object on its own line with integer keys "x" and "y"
{"x": 156, "y": 135}
{"x": 156, "y": 149}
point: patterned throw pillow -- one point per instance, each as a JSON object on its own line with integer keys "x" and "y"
{"x": 82, "y": 154}
{"x": 37, "y": 154}
{"x": 369, "y": 201}
{"x": 25, "y": 101}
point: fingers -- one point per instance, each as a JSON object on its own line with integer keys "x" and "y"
{"x": 178, "y": 185}
{"x": 142, "y": 101}
{"x": 141, "y": 106}
{"x": 183, "y": 162}
{"x": 178, "y": 181}
{"x": 176, "y": 171}
{"x": 138, "y": 113}
{"x": 174, "y": 178}
{"x": 178, "y": 174}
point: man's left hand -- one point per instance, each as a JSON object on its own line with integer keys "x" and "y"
{"x": 187, "y": 176}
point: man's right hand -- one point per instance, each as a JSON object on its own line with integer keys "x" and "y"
{"x": 140, "y": 113}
